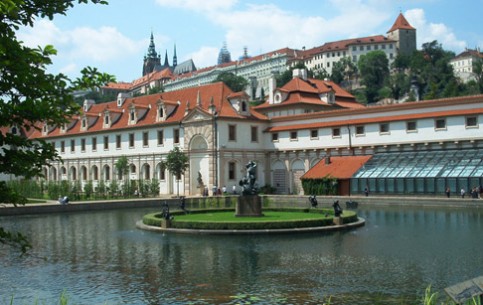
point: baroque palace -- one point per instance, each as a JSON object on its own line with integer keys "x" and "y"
{"x": 307, "y": 129}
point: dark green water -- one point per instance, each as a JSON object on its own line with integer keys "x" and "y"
{"x": 101, "y": 258}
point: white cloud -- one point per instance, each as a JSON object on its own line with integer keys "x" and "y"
{"x": 44, "y": 33}
{"x": 199, "y": 6}
{"x": 427, "y": 31}
{"x": 205, "y": 57}
{"x": 102, "y": 44}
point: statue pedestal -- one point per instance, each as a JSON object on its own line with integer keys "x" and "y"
{"x": 165, "y": 223}
{"x": 338, "y": 221}
{"x": 249, "y": 205}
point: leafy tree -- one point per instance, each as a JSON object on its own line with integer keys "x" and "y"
{"x": 343, "y": 72}
{"x": 432, "y": 71}
{"x": 176, "y": 163}
{"x": 122, "y": 166}
{"x": 29, "y": 94}
{"x": 374, "y": 70}
{"x": 478, "y": 73}
{"x": 234, "y": 82}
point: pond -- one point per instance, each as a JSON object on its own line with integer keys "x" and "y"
{"x": 101, "y": 258}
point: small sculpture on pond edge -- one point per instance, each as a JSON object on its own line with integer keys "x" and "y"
{"x": 313, "y": 201}
{"x": 337, "y": 208}
{"x": 165, "y": 213}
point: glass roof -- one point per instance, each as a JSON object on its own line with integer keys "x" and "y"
{"x": 431, "y": 164}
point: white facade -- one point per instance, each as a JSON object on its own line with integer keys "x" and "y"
{"x": 463, "y": 64}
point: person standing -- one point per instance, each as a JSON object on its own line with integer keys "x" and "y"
{"x": 463, "y": 193}
{"x": 366, "y": 191}
{"x": 448, "y": 191}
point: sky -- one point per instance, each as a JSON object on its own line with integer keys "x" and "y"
{"x": 114, "y": 38}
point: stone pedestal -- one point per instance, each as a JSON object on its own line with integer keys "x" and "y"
{"x": 165, "y": 223}
{"x": 249, "y": 205}
{"x": 338, "y": 221}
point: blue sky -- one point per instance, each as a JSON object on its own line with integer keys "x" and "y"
{"x": 115, "y": 37}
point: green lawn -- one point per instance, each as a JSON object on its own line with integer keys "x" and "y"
{"x": 230, "y": 216}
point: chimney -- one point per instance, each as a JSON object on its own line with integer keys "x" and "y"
{"x": 272, "y": 84}
{"x": 300, "y": 73}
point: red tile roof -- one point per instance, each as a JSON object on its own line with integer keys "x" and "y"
{"x": 401, "y": 24}
{"x": 381, "y": 119}
{"x": 307, "y": 92}
{"x": 216, "y": 92}
{"x": 338, "y": 167}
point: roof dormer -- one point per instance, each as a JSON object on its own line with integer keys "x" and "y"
{"x": 88, "y": 104}
{"x": 239, "y": 102}
{"x": 46, "y": 129}
{"x": 87, "y": 121}
{"x": 121, "y": 98}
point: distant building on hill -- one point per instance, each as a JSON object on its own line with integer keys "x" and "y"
{"x": 463, "y": 64}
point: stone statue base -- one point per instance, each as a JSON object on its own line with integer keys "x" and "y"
{"x": 165, "y": 223}
{"x": 338, "y": 221}
{"x": 249, "y": 205}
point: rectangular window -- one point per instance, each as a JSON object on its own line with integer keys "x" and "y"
{"x": 314, "y": 133}
{"x": 384, "y": 128}
{"x": 383, "y": 46}
{"x": 83, "y": 145}
{"x": 94, "y": 144}
{"x": 390, "y": 46}
{"x": 145, "y": 139}
{"x": 274, "y": 137}
{"x": 176, "y": 136}
{"x": 328, "y": 64}
{"x": 231, "y": 170}
{"x": 293, "y": 135}
{"x": 231, "y": 132}
{"x": 361, "y": 48}
{"x": 162, "y": 174}
{"x": 354, "y": 48}
{"x": 254, "y": 133}
{"x": 360, "y": 130}
{"x": 376, "y": 47}
{"x": 411, "y": 126}
{"x": 160, "y": 137}
{"x": 336, "y": 132}
{"x": 354, "y": 58}
{"x": 471, "y": 122}
{"x": 118, "y": 141}
{"x": 62, "y": 146}
{"x": 106, "y": 143}
{"x": 368, "y": 48}
{"x": 131, "y": 140}
{"x": 72, "y": 145}
{"x": 440, "y": 124}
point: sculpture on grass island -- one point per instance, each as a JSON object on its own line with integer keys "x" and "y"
{"x": 248, "y": 183}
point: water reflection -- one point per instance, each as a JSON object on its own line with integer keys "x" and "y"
{"x": 100, "y": 257}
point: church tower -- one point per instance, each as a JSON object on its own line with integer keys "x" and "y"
{"x": 224, "y": 55}
{"x": 404, "y": 35}
{"x": 152, "y": 59}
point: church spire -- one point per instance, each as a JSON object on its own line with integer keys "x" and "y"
{"x": 175, "y": 58}
{"x": 152, "y": 48}
{"x": 166, "y": 62}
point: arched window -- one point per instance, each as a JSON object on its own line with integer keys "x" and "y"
{"x": 107, "y": 172}
{"x": 84, "y": 173}
{"x": 95, "y": 172}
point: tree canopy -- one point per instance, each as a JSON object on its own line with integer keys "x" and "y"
{"x": 374, "y": 68}
{"x": 29, "y": 95}
{"x": 176, "y": 162}
{"x": 234, "y": 82}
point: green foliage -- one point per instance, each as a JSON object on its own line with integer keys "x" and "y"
{"x": 176, "y": 162}
{"x": 154, "y": 187}
{"x": 234, "y": 82}
{"x": 323, "y": 186}
{"x": 88, "y": 189}
{"x": 26, "y": 188}
{"x": 28, "y": 93}
{"x": 101, "y": 189}
{"x": 267, "y": 189}
{"x": 374, "y": 70}
{"x": 114, "y": 188}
